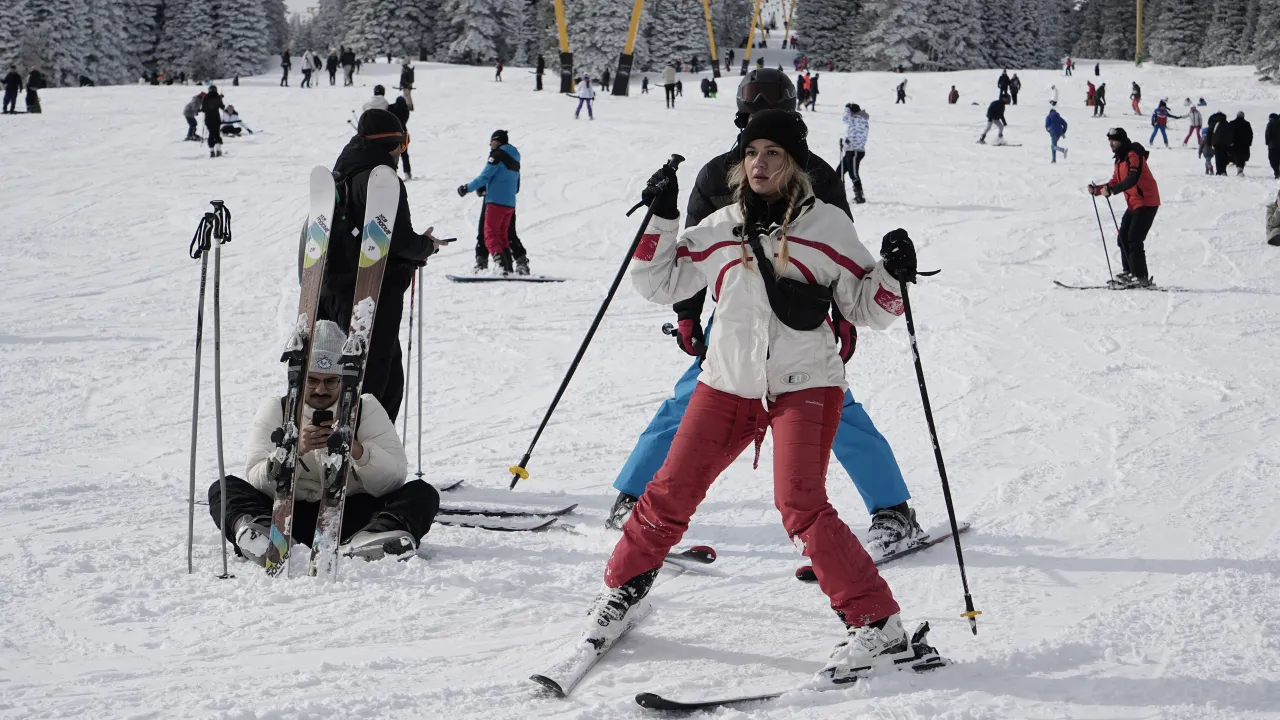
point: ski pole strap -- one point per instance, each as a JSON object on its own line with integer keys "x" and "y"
{"x": 203, "y": 239}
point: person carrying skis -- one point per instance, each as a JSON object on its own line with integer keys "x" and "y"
{"x": 1159, "y": 122}
{"x": 1136, "y": 96}
{"x": 1272, "y": 139}
{"x": 995, "y": 118}
{"x": 286, "y": 64}
{"x": 383, "y": 514}
{"x": 499, "y": 182}
{"x": 12, "y": 86}
{"x": 857, "y": 125}
{"x": 212, "y": 106}
{"x": 774, "y": 227}
{"x": 863, "y": 452}
{"x": 406, "y": 80}
{"x": 401, "y": 109}
{"x": 1241, "y": 142}
{"x": 1056, "y": 126}
{"x": 669, "y": 84}
{"x": 953, "y": 97}
{"x": 378, "y": 101}
{"x": 193, "y": 108}
{"x": 1196, "y": 121}
{"x": 586, "y": 95}
{"x": 1015, "y": 86}
{"x": 380, "y": 140}
{"x": 1100, "y": 101}
{"x": 1132, "y": 176}
{"x": 902, "y": 93}
{"x": 331, "y": 64}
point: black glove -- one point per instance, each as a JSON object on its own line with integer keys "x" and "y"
{"x": 462, "y": 191}
{"x": 899, "y": 255}
{"x": 662, "y": 198}
{"x": 480, "y": 190}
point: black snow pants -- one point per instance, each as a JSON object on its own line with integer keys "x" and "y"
{"x": 482, "y": 252}
{"x": 853, "y": 165}
{"x": 384, "y": 368}
{"x": 671, "y": 95}
{"x": 213, "y": 129}
{"x": 1222, "y": 158}
{"x": 415, "y": 503}
{"x": 10, "y": 101}
{"x": 1134, "y": 227}
{"x": 1273, "y": 155}
{"x": 191, "y": 128}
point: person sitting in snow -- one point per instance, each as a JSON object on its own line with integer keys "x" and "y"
{"x": 231, "y": 121}
{"x": 383, "y": 513}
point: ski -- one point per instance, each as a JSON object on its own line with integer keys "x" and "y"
{"x": 926, "y": 658}
{"x": 382, "y": 199}
{"x": 501, "y": 513}
{"x": 297, "y": 355}
{"x": 583, "y": 655}
{"x": 1151, "y": 288}
{"x": 806, "y": 574}
{"x": 451, "y": 486}
{"x": 692, "y": 559}
{"x": 504, "y": 278}
{"x": 496, "y": 524}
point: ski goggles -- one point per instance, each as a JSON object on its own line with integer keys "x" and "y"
{"x": 404, "y": 145}
{"x": 764, "y": 94}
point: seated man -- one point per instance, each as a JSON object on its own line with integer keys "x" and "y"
{"x": 383, "y": 513}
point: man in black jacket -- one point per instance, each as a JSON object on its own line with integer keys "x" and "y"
{"x": 1272, "y": 138}
{"x": 212, "y": 109}
{"x": 380, "y": 141}
{"x": 35, "y": 82}
{"x": 1220, "y": 140}
{"x": 12, "y": 86}
{"x": 995, "y": 118}
{"x": 859, "y": 447}
{"x": 1241, "y": 142}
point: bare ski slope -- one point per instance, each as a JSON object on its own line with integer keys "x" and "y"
{"x": 1117, "y": 453}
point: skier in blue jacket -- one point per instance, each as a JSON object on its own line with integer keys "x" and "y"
{"x": 499, "y": 182}
{"x": 1057, "y": 127}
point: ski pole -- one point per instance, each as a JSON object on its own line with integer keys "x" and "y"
{"x": 1102, "y": 234}
{"x": 419, "y": 473}
{"x": 970, "y": 612}
{"x": 408, "y": 360}
{"x": 1113, "y": 215}
{"x": 222, "y": 234}
{"x": 200, "y": 244}
{"x": 518, "y": 471}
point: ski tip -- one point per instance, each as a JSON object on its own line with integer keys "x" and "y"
{"x": 806, "y": 574}
{"x": 702, "y": 553}
{"x": 550, "y": 685}
{"x": 652, "y": 701}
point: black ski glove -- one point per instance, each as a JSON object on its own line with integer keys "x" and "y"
{"x": 899, "y": 255}
{"x": 662, "y": 198}
{"x": 462, "y": 191}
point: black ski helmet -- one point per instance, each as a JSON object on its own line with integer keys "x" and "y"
{"x": 765, "y": 89}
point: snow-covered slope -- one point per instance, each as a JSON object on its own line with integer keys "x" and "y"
{"x": 1115, "y": 452}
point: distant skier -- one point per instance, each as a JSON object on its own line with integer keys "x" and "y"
{"x": 605, "y": 81}
{"x": 35, "y": 83}
{"x": 539, "y": 71}
{"x": 1097, "y": 69}
{"x": 1241, "y": 142}
{"x": 953, "y": 97}
{"x": 902, "y": 93}
{"x": 1067, "y": 66}
{"x": 406, "y": 80}
{"x": 1056, "y": 126}
{"x": 644, "y": 85}
{"x": 286, "y": 64}
{"x": 499, "y": 182}
{"x": 380, "y": 140}
{"x": 586, "y": 95}
{"x": 348, "y": 67}
{"x": 307, "y": 69}
{"x": 1159, "y": 122}
{"x": 669, "y": 84}
{"x": 1090, "y": 95}
{"x": 1053, "y": 95}
{"x": 1002, "y": 83}
{"x": 332, "y": 66}
{"x": 193, "y": 107}
{"x": 1272, "y": 138}
{"x": 1206, "y": 150}
{"x": 1015, "y": 86}
{"x": 1136, "y": 96}
{"x": 857, "y": 125}
{"x": 401, "y": 109}
{"x": 813, "y": 92}
{"x": 383, "y": 512}
{"x": 12, "y": 86}
{"x": 1132, "y": 176}
{"x": 1197, "y": 122}
{"x": 679, "y": 88}
{"x": 1100, "y": 101}
{"x": 497, "y": 71}
{"x": 378, "y": 101}
{"x": 802, "y": 89}
{"x": 995, "y": 119}
{"x": 212, "y": 106}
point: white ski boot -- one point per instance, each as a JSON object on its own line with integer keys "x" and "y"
{"x": 893, "y": 530}
{"x": 611, "y": 611}
{"x": 253, "y": 538}
{"x": 866, "y": 649}
{"x": 218, "y": 149}
{"x": 384, "y": 535}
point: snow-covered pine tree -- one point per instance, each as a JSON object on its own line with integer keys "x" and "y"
{"x": 393, "y": 26}
{"x": 730, "y": 20}
{"x": 1174, "y": 32}
{"x": 11, "y": 35}
{"x": 893, "y": 34}
{"x": 358, "y": 16}
{"x": 1010, "y": 26}
{"x": 597, "y": 33}
{"x": 144, "y": 19}
{"x": 1225, "y": 42}
{"x": 60, "y": 30}
{"x": 1119, "y": 34}
{"x": 329, "y": 25}
{"x": 242, "y": 36}
{"x": 673, "y": 29}
{"x": 1266, "y": 40}
{"x": 1088, "y": 43}
{"x": 957, "y": 41}
{"x": 187, "y": 26}
{"x": 481, "y": 31}
{"x": 105, "y": 60}
{"x": 277, "y": 26}
{"x": 825, "y": 30}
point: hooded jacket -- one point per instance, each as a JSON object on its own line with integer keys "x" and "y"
{"x": 1219, "y": 131}
{"x": 1133, "y": 177}
{"x": 751, "y": 353}
{"x": 193, "y": 107}
{"x": 381, "y": 469}
{"x": 1055, "y": 124}
{"x": 1271, "y": 135}
{"x": 500, "y": 177}
{"x": 995, "y": 111}
{"x": 857, "y": 125}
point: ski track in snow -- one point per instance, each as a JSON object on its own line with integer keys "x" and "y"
{"x": 1116, "y": 452}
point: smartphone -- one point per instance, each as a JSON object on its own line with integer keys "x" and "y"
{"x": 321, "y": 416}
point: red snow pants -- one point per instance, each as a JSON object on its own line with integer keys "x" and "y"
{"x": 716, "y": 428}
{"x": 497, "y": 223}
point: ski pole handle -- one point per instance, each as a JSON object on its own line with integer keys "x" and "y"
{"x": 674, "y": 164}
{"x": 668, "y": 329}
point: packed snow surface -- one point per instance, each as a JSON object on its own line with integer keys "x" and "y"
{"x": 1116, "y": 453}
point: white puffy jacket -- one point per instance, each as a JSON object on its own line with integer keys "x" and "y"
{"x": 857, "y": 125}
{"x": 668, "y": 75}
{"x": 377, "y": 102}
{"x": 381, "y": 469}
{"x": 751, "y": 353}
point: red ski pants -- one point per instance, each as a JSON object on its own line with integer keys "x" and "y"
{"x": 497, "y": 223}
{"x": 716, "y": 428}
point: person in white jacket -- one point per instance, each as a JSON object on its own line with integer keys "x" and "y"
{"x": 586, "y": 95}
{"x": 857, "y": 125}
{"x": 378, "y": 101}
{"x": 776, "y": 261}
{"x": 669, "y": 82}
{"x": 383, "y": 513}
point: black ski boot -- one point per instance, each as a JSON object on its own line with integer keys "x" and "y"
{"x": 620, "y": 511}
{"x": 503, "y": 260}
{"x": 607, "y": 617}
{"x": 522, "y": 265}
{"x": 893, "y": 529}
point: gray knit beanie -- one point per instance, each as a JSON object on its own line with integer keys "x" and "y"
{"x": 326, "y": 347}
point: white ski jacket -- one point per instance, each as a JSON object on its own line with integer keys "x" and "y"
{"x": 381, "y": 469}
{"x": 668, "y": 75}
{"x": 857, "y": 125}
{"x": 751, "y": 353}
{"x": 377, "y": 102}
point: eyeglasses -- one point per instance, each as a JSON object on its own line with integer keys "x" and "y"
{"x": 330, "y": 383}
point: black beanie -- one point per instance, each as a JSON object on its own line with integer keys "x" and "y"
{"x": 380, "y": 126}
{"x": 787, "y": 129}
{"x": 500, "y": 136}
{"x": 1118, "y": 134}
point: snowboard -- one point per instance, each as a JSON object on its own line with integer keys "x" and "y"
{"x": 806, "y": 574}
{"x": 504, "y": 278}
{"x": 297, "y": 355}
{"x": 382, "y": 200}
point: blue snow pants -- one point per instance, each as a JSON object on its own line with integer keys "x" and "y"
{"x": 1158, "y": 129}
{"x": 859, "y": 447}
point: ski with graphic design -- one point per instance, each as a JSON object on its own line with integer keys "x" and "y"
{"x": 805, "y": 573}
{"x": 382, "y": 200}
{"x": 283, "y": 461}
{"x": 924, "y": 659}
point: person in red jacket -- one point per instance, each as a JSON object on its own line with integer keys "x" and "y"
{"x": 1132, "y": 176}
